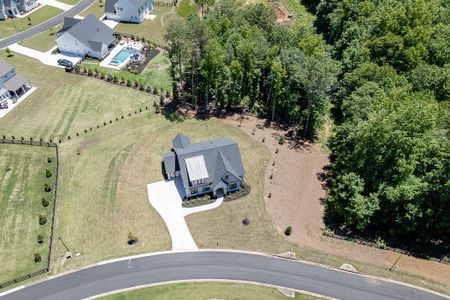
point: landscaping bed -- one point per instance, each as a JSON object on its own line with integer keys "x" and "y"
{"x": 208, "y": 198}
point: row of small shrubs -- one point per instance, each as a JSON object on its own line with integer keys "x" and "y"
{"x": 42, "y": 217}
{"x": 120, "y": 80}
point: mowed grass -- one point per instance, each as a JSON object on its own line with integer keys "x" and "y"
{"x": 12, "y": 26}
{"x": 70, "y": 2}
{"x": 97, "y": 9}
{"x": 104, "y": 173}
{"x": 152, "y": 30}
{"x": 156, "y": 74}
{"x": 43, "y": 41}
{"x": 22, "y": 179}
{"x": 187, "y": 8}
{"x": 205, "y": 290}
{"x": 65, "y": 104}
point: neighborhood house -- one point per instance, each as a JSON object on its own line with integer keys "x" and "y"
{"x": 209, "y": 167}
{"x": 132, "y": 11}
{"x": 12, "y": 85}
{"x": 86, "y": 37}
{"x": 14, "y": 8}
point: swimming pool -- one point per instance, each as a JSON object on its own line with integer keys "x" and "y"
{"x": 121, "y": 57}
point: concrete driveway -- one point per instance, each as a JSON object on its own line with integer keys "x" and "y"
{"x": 46, "y": 58}
{"x": 166, "y": 198}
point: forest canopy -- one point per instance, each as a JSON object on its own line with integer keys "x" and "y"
{"x": 238, "y": 57}
{"x": 391, "y": 149}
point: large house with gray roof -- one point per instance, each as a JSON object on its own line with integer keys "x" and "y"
{"x": 14, "y": 8}
{"x": 209, "y": 167}
{"x": 12, "y": 85}
{"x": 86, "y": 37}
{"x": 133, "y": 11}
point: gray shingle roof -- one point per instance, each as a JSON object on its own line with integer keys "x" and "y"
{"x": 15, "y": 82}
{"x": 181, "y": 141}
{"x": 90, "y": 31}
{"x": 5, "y": 67}
{"x": 109, "y": 6}
{"x": 221, "y": 157}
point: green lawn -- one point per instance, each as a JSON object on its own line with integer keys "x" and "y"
{"x": 104, "y": 172}
{"x": 152, "y": 30}
{"x": 71, "y": 2}
{"x": 187, "y": 8}
{"x": 43, "y": 41}
{"x": 97, "y": 9}
{"x": 204, "y": 291}
{"x": 22, "y": 179}
{"x": 156, "y": 73}
{"x": 11, "y": 26}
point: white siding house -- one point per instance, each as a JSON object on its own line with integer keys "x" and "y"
{"x": 12, "y": 85}
{"x": 87, "y": 37}
{"x": 132, "y": 11}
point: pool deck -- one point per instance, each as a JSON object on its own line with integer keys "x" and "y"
{"x": 107, "y": 60}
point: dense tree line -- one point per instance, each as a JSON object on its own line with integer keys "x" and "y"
{"x": 238, "y": 57}
{"x": 391, "y": 149}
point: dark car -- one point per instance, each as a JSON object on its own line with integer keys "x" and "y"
{"x": 65, "y": 63}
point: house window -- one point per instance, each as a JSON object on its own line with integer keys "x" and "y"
{"x": 194, "y": 191}
{"x": 206, "y": 189}
{"x": 226, "y": 177}
{"x": 233, "y": 186}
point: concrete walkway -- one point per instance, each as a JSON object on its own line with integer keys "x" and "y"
{"x": 46, "y": 58}
{"x": 166, "y": 198}
{"x": 57, "y": 4}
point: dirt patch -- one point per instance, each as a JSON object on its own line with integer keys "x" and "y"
{"x": 283, "y": 16}
{"x": 293, "y": 181}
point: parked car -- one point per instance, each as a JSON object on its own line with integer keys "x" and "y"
{"x": 65, "y": 63}
{"x": 4, "y": 105}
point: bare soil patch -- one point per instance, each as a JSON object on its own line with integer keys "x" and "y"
{"x": 296, "y": 199}
{"x": 283, "y": 16}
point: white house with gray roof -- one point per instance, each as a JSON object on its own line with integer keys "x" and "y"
{"x": 209, "y": 167}
{"x": 86, "y": 37}
{"x": 12, "y": 85}
{"x": 128, "y": 10}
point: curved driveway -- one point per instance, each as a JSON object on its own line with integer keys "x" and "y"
{"x": 82, "y": 5}
{"x": 225, "y": 265}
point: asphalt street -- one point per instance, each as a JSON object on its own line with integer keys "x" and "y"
{"x": 82, "y": 5}
{"x": 217, "y": 265}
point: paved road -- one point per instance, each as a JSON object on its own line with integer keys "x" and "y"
{"x": 82, "y": 5}
{"x": 216, "y": 265}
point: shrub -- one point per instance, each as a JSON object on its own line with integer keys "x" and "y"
{"x": 49, "y": 160}
{"x": 263, "y": 140}
{"x": 44, "y": 202}
{"x": 40, "y": 238}
{"x": 245, "y": 221}
{"x": 48, "y": 174}
{"x": 42, "y": 219}
{"x": 276, "y": 151}
{"x": 161, "y": 100}
{"x": 288, "y": 230}
{"x": 157, "y": 109}
{"x": 89, "y": 72}
{"x": 155, "y": 91}
{"x": 37, "y": 257}
{"x": 132, "y": 239}
{"x": 47, "y": 187}
{"x": 128, "y": 82}
{"x": 167, "y": 94}
{"x": 281, "y": 140}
